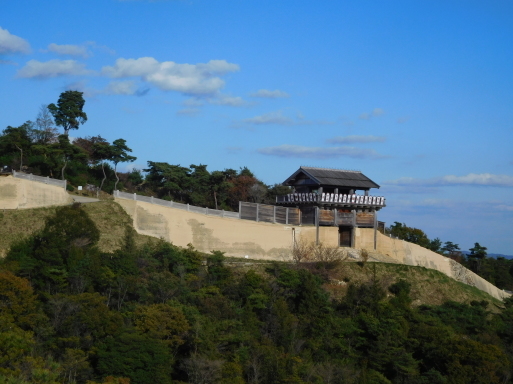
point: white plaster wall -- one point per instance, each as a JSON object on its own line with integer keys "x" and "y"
{"x": 23, "y": 194}
{"x": 239, "y": 238}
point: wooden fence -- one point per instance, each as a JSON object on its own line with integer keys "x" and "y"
{"x": 269, "y": 213}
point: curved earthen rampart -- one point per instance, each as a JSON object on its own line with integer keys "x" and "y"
{"x": 239, "y": 238}
{"x": 407, "y": 253}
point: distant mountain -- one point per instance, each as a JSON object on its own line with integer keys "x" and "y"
{"x": 496, "y": 255}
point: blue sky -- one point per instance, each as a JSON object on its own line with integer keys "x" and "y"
{"x": 417, "y": 95}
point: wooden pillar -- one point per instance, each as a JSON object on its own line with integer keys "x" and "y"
{"x": 317, "y": 225}
{"x": 353, "y": 232}
{"x": 375, "y": 228}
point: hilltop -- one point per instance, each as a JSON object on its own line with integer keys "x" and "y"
{"x": 428, "y": 286}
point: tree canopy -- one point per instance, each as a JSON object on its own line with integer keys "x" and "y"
{"x": 68, "y": 113}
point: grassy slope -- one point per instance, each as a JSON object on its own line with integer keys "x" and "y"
{"x": 109, "y": 217}
{"x": 428, "y": 286}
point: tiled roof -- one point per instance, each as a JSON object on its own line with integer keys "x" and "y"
{"x": 334, "y": 178}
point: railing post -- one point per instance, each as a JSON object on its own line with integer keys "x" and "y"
{"x": 274, "y": 214}
{"x": 135, "y": 196}
{"x": 65, "y": 184}
{"x": 375, "y": 228}
{"x": 47, "y": 179}
{"x": 187, "y": 207}
{"x": 335, "y": 218}
{"x": 240, "y": 209}
{"x": 257, "y": 211}
{"x": 151, "y": 199}
{"x": 287, "y": 216}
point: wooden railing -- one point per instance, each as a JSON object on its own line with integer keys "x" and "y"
{"x": 332, "y": 198}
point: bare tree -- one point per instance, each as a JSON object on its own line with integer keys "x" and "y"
{"x": 44, "y": 131}
{"x": 303, "y": 251}
{"x": 201, "y": 370}
{"x": 257, "y": 192}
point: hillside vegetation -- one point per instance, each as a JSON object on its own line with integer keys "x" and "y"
{"x": 156, "y": 313}
{"x": 107, "y": 215}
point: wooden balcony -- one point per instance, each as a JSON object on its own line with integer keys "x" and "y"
{"x": 335, "y": 199}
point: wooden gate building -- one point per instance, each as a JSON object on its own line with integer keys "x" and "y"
{"x": 333, "y": 197}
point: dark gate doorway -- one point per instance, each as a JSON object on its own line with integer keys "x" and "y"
{"x": 345, "y": 235}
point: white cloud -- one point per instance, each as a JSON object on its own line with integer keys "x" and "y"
{"x": 12, "y": 43}
{"x": 270, "y": 118}
{"x": 375, "y": 112}
{"x": 504, "y": 207}
{"x": 483, "y": 179}
{"x": 188, "y": 112}
{"x": 52, "y": 68}
{"x": 215, "y": 99}
{"x": 120, "y": 88}
{"x": 234, "y": 150}
{"x": 353, "y": 139}
{"x": 193, "y": 102}
{"x": 233, "y": 101}
{"x": 82, "y": 86}
{"x": 378, "y": 111}
{"x": 458, "y": 206}
{"x": 402, "y": 120}
{"x": 319, "y": 153}
{"x": 278, "y": 118}
{"x": 68, "y": 49}
{"x": 265, "y": 93}
{"x": 195, "y": 79}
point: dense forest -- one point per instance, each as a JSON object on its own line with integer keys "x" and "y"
{"x": 157, "y": 313}
{"x": 37, "y": 147}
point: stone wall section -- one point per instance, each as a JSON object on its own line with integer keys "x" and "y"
{"x": 24, "y": 194}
